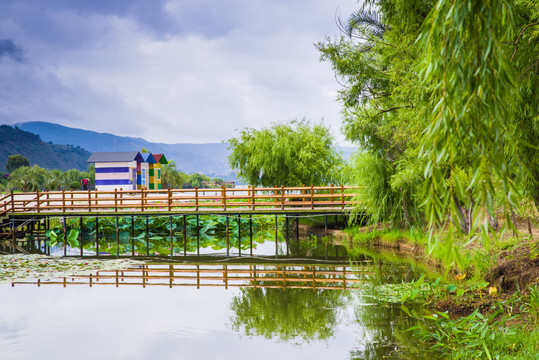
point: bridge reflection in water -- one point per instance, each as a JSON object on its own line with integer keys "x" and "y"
{"x": 302, "y": 276}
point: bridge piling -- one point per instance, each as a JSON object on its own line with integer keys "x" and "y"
{"x": 64, "y": 225}
{"x": 147, "y": 236}
{"x": 132, "y": 235}
{"x": 184, "y": 236}
{"x": 117, "y": 238}
{"x": 96, "y": 236}
{"x": 276, "y": 238}
{"x": 198, "y": 235}
{"x": 239, "y": 235}
{"x": 171, "y": 239}
{"x": 81, "y": 237}
{"x": 227, "y": 239}
{"x": 251, "y": 233}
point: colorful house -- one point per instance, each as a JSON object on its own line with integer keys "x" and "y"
{"x": 155, "y": 170}
{"x": 119, "y": 170}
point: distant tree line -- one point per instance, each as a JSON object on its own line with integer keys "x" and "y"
{"x": 24, "y": 177}
{"x": 175, "y": 179}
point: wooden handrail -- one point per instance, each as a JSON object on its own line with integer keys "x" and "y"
{"x": 263, "y": 276}
{"x": 248, "y": 199}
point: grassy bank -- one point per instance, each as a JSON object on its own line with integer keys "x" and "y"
{"x": 487, "y": 309}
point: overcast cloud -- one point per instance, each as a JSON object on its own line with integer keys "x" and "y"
{"x": 168, "y": 71}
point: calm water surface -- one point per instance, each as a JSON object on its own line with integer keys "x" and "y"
{"x": 183, "y": 322}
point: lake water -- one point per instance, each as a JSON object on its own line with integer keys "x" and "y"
{"x": 210, "y": 311}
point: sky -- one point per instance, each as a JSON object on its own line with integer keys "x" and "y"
{"x": 173, "y": 71}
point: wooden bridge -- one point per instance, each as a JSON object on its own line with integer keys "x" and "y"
{"x": 250, "y": 200}
{"x": 340, "y": 277}
{"x": 22, "y": 214}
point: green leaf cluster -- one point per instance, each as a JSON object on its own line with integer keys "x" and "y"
{"x": 290, "y": 154}
{"x": 442, "y": 98}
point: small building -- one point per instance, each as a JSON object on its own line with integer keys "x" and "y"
{"x": 155, "y": 170}
{"x": 143, "y": 171}
{"x": 119, "y": 170}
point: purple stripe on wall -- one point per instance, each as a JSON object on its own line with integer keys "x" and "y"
{"x": 113, "y": 182}
{"x": 111, "y": 169}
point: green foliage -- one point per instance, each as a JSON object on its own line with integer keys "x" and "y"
{"x": 532, "y": 304}
{"x": 377, "y": 193}
{"x": 16, "y": 161}
{"x": 211, "y": 233}
{"x": 476, "y": 336}
{"x": 290, "y": 154}
{"x": 58, "y": 237}
{"x": 442, "y": 98}
{"x": 195, "y": 180}
{"x": 36, "y": 178}
{"x": 173, "y": 178}
{"x": 27, "y": 178}
{"x": 75, "y": 185}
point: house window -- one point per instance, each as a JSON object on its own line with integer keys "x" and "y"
{"x": 158, "y": 174}
{"x": 143, "y": 176}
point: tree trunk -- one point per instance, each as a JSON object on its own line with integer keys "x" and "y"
{"x": 493, "y": 220}
{"x": 405, "y": 211}
{"x": 462, "y": 218}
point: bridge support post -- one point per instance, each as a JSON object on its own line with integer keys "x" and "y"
{"x": 239, "y": 234}
{"x": 297, "y": 234}
{"x": 147, "y": 237}
{"x": 325, "y": 224}
{"x": 132, "y": 235}
{"x": 276, "y": 238}
{"x": 97, "y": 236}
{"x": 286, "y": 224}
{"x": 47, "y": 228}
{"x": 251, "y": 233}
{"x": 227, "y": 239}
{"x": 13, "y": 235}
{"x": 326, "y": 234}
{"x": 65, "y": 235}
{"x": 198, "y": 235}
{"x": 117, "y": 238}
{"x": 81, "y": 223}
{"x": 171, "y": 240}
{"x": 184, "y": 236}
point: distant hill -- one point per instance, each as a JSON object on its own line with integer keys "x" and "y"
{"x": 47, "y": 155}
{"x": 209, "y": 159}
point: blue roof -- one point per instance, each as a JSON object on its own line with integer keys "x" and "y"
{"x": 150, "y": 159}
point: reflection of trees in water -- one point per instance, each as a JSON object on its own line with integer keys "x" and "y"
{"x": 384, "y": 325}
{"x": 287, "y": 314}
{"x": 384, "y": 333}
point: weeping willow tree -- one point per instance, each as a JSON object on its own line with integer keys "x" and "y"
{"x": 290, "y": 154}
{"x": 441, "y": 96}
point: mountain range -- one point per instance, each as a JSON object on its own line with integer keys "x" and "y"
{"x": 15, "y": 141}
{"x": 209, "y": 159}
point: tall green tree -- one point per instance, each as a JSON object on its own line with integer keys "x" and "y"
{"x": 374, "y": 60}
{"x": 27, "y": 178}
{"x": 442, "y": 98}
{"x": 290, "y": 154}
{"x": 171, "y": 177}
{"x": 16, "y": 161}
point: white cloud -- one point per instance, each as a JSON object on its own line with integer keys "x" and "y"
{"x": 217, "y": 66}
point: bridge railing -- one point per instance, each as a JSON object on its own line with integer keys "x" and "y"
{"x": 167, "y": 200}
{"x": 209, "y": 275}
